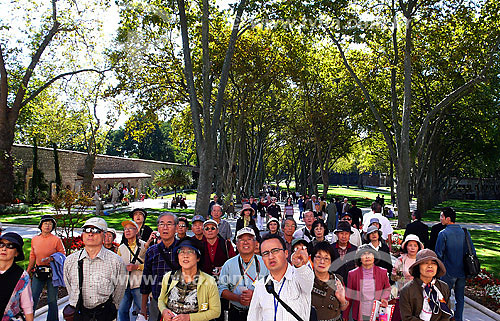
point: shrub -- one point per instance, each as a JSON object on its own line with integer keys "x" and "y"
{"x": 16, "y": 209}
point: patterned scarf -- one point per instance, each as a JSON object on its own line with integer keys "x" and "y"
{"x": 436, "y": 302}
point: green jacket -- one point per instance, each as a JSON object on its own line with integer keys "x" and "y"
{"x": 207, "y": 294}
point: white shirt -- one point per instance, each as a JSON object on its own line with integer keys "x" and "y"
{"x": 385, "y": 224}
{"x": 296, "y": 292}
{"x": 300, "y": 234}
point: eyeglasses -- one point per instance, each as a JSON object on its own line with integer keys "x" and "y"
{"x": 274, "y": 251}
{"x": 129, "y": 229}
{"x": 210, "y": 228}
{"x": 181, "y": 225}
{"x": 303, "y": 247}
{"x": 347, "y": 219}
{"x": 93, "y": 230}
{"x": 169, "y": 224}
{"x": 186, "y": 251}
{"x": 321, "y": 258}
{"x": 7, "y": 245}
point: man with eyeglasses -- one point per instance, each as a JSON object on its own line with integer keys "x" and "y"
{"x": 292, "y": 284}
{"x": 133, "y": 253}
{"x": 160, "y": 259}
{"x": 240, "y": 273}
{"x": 289, "y": 227}
{"x": 103, "y": 273}
{"x": 217, "y": 251}
{"x": 223, "y": 225}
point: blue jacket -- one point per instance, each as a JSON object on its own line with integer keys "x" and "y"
{"x": 57, "y": 269}
{"x": 451, "y": 248}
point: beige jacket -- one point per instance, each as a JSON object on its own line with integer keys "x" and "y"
{"x": 134, "y": 277}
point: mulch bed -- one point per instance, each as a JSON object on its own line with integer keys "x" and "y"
{"x": 62, "y": 292}
{"x": 479, "y": 295}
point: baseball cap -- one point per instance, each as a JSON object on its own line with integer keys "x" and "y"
{"x": 210, "y": 222}
{"x": 130, "y": 222}
{"x": 245, "y": 230}
{"x": 197, "y": 218}
{"x": 97, "y": 222}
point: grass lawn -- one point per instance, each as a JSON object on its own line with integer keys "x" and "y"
{"x": 27, "y": 250}
{"x": 469, "y": 211}
{"x": 114, "y": 220}
{"x": 365, "y": 197}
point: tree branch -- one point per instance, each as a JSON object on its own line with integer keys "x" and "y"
{"x": 51, "y": 81}
{"x": 4, "y": 85}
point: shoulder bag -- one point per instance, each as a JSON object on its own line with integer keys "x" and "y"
{"x": 471, "y": 262}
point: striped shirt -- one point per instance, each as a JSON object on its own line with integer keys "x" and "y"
{"x": 103, "y": 276}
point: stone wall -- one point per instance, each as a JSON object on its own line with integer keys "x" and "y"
{"x": 71, "y": 163}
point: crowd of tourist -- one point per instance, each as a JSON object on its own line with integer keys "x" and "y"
{"x": 268, "y": 270}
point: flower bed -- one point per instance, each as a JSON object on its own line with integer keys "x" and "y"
{"x": 72, "y": 244}
{"x": 485, "y": 289}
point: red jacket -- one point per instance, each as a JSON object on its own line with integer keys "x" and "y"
{"x": 353, "y": 290}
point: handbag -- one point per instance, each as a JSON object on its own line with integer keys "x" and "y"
{"x": 472, "y": 266}
{"x": 42, "y": 272}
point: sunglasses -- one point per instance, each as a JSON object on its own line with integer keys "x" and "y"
{"x": 93, "y": 230}
{"x": 181, "y": 225}
{"x": 7, "y": 245}
{"x": 210, "y": 228}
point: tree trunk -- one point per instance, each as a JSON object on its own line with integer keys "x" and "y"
{"x": 56, "y": 168}
{"x": 6, "y": 169}
{"x": 204, "y": 189}
{"x": 88, "y": 173}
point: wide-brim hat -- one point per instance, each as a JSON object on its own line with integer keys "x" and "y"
{"x": 18, "y": 242}
{"x": 47, "y": 218}
{"x": 374, "y": 220}
{"x": 247, "y": 207}
{"x": 97, "y": 222}
{"x": 426, "y": 255}
{"x": 141, "y": 210}
{"x": 412, "y": 237}
{"x": 366, "y": 248}
{"x": 343, "y": 226}
{"x": 370, "y": 230}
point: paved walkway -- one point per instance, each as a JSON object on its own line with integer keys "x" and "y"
{"x": 470, "y": 312}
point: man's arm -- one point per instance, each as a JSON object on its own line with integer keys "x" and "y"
{"x": 440, "y": 245}
{"x": 255, "y": 310}
{"x": 120, "y": 282}
{"x": 147, "y": 279}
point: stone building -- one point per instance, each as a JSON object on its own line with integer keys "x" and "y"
{"x": 108, "y": 171}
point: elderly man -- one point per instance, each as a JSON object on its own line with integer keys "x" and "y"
{"x": 305, "y": 232}
{"x": 223, "y": 225}
{"x": 217, "y": 250}
{"x": 292, "y": 284}
{"x": 289, "y": 227}
{"x": 103, "y": 272}
{"x": 238, "y": 274}
{"x": 133, "y": 253}
{"x": 160, "y": 259}
{"x": 197, "y": 227}
{"x": 344, "y": 251}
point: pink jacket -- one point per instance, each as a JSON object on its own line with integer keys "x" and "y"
{"x": 353, "y": 295}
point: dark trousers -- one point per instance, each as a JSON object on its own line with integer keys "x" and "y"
{"x": 237, "y": 315}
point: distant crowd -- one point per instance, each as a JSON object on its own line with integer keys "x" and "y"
{"x": 339, "y": 266}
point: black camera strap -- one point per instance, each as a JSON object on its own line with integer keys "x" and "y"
{"x": 270, "y": 289}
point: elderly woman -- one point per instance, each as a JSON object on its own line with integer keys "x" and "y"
{"x": 318, "y": 230}
{"x": 328, "y": 294}
{"x": 189, "y": 293}
{"x": 246, "y": 220}
{"x": 43, "y": 247}
{"x": 409, "y": 248}
{"x": 366, "y": 283}
{"x": 426, "y": 297}
{"x": 273, "y": 227}
{"x": 373, "y": 237}
{"x": 15, "y": 296}
{"x": 109, "y": 240}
